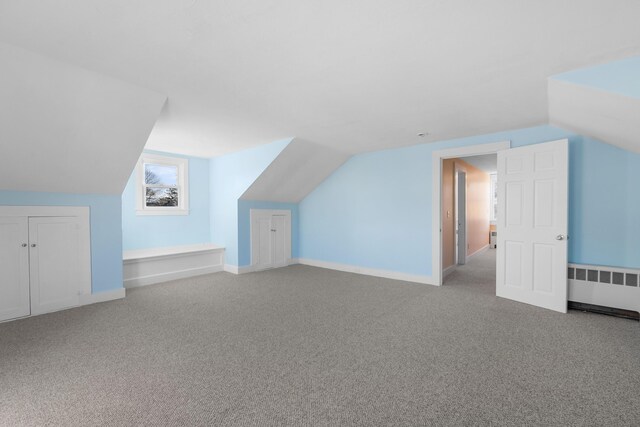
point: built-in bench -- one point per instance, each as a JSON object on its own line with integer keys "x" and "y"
{"x": 147, "y": 266}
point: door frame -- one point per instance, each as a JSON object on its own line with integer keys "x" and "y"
{"x": 459, "y": 170}
{"x": 436, "y": 192}
{"x": 287, "y": 241}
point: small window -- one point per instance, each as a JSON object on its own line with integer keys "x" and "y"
{"x": 493, "y": 197}
{"x": 162, "y": 185}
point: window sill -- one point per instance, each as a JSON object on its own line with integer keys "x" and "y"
{"x": 165, "y": 212}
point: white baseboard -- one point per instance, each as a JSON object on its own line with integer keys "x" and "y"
{"x": 239, "y": 269}
{"x": 387, "y": 274}
{"x": 447, "y": 271}
{"x": 102, "y": 296}
{"x": 233, "y": 269}
{"x": 82, "y": 300}
{"x": 166, "y": 277}
{"x": 162, "y": 267}
{"x": 250, "y": 268}
{"x": 478, "y": 252}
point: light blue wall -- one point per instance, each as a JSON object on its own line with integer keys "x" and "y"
{"x": 106, "y": 230}
{"x": 621, "y": 77}
{"x": 604, "y": 205}
{"x": 244, "y": 227}
{"x": 375, "y": 211}
{"x": 148, "y": 231}
{"x": 229, "y": 178}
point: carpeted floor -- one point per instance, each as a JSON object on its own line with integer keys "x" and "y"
{"x": 307, "y": 346}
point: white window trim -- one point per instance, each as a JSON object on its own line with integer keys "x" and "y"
{"x": 183, "y": 184}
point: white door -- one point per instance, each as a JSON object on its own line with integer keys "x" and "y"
{"x": 262, "y": 241}
{"x": 532, "y": 225}
{"x": 14, "y": 268}
{"x": 461, "y": 218}
{"x": 270, "y": 238}
{"x": 55, "y": 267}
{"x": 278, "y": 248}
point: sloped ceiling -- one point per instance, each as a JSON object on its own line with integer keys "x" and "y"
{"x": 602, "y": 102}
{"x": 297, "y": 170}
{"x": 355, "y": 75}
{"x": 607, "y": 116}
{"x": 67, "y": 129}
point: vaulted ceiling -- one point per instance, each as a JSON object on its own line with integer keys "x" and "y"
{"x": 602, "y": 102}
{"x": 352, "y": 76}
{"x": 67, "y": 129}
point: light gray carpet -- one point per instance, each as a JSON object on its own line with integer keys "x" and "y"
{"x": 307, "y": 346}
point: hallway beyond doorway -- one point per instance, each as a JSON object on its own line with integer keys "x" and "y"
{"x": 478, "y": 274}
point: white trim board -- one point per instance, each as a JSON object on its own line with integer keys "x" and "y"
{"x": 162, "y": 264}
{"x": 456, "y": 214}
{"x": 84, "y": 300}
{"x": 387, "y": 274}
{"x": 103, "y": 296}
{"x": 478, "y": 252}
{"x": 448, "y": 270}
{"x": 436, "y": 196}
{"x": 169, "y": 251}
{"x": 235, "y": 269}
{"x": 81, "y": 211}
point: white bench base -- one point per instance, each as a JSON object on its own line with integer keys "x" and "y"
{"x": 149, "y": 266}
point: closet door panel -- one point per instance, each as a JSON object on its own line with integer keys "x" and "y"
{"x": 14, "y": 268}
{"x": 55, "y": 263}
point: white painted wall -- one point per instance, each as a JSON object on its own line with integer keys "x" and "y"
{"x": 67, "y": 129}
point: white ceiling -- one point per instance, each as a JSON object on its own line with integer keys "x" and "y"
{"x": 487, "y": 162}
{"x": 353, "y": 75}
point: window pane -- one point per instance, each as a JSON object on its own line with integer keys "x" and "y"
{"x": 160, "y": 196}
{"x": 160, "y": 174}
{"x": 494, "y": 197}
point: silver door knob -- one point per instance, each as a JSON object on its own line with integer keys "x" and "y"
{"x": 33, "y": 245}
{"x": 273, "y": 230}
{"x": 560, "y": 237}
{"x": 24, "y": 245}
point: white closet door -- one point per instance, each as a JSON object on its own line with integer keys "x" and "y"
{"x": 56, "y": 263}
{"x": 262, "y": 242}
{"x": 14, "y": 268}
{"x": 278, "y": 240}
{"x": 270, "y": 238}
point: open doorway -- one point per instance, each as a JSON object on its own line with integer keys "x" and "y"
{"x": 468, "y": 220}
{"x": 532, "y": 220}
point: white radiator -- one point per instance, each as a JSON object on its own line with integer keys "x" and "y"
{"x": 606, "y": 286}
